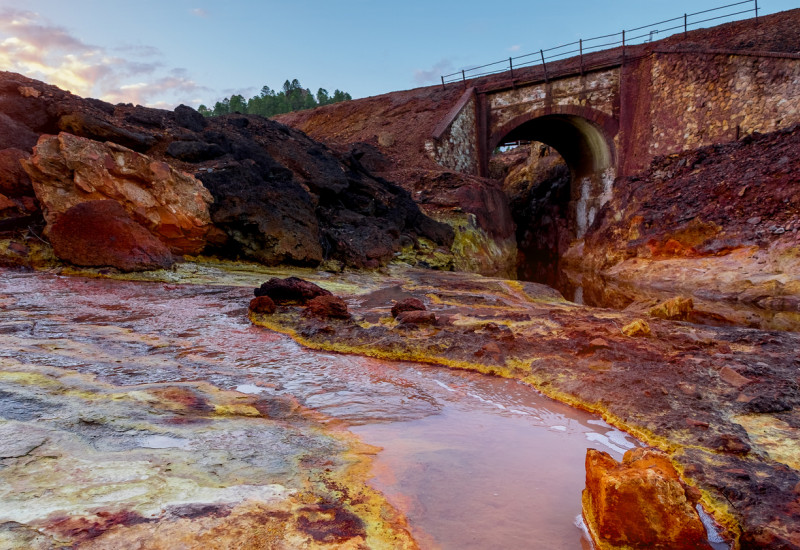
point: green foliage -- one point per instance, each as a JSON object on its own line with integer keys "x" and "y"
{"x": 292, "y": 97}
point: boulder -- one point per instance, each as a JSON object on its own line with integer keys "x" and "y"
{"x": 267, "y": 216}
{"x": 674, "y": 309}
{"x": 416, "y": 317}
{"x": 188, "y": 118}
{"x": 639, "y": 503}
{"x": 262, "y": 304}
{"x": 67, "y": 170}
{"x": 101, "y": 233}
{"x": 409, "y": 304}
{"x": 291, "y": 290}
{"x": 327, "y": 307}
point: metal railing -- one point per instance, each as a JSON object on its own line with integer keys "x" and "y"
{"x": 582, "y": 47}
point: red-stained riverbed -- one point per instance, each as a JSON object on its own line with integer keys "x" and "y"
{"x": 473, "y": 461}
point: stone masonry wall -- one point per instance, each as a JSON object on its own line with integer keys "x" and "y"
{"x": 457, "y": 147}
{"x": 700, "y": 99}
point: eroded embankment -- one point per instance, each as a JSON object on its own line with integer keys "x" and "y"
{"x": 722, "y": 401}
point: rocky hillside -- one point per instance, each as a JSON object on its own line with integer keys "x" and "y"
{"x": 237, "y": 186}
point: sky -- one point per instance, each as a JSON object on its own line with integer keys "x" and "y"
{"x": 161, "y": 53}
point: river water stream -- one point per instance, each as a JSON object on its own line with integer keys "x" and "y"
{"x": 473, "y": 461}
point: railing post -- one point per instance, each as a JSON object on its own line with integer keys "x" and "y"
{"x": 544, "y": 65}
{"x": 756, "y": 1}
{"x": 580, "y": 45}
{"x": 511, "y": 66}
{"x": 685, "y": 25}
{"x": 443, "y": 86}
{"x": 464, "y": 78}
{"x": 623, "y": 46}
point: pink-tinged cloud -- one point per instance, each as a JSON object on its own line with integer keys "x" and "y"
{"x": 200, "y": 12}
{"x": 32, "y": 46}
{"x": 433, "y": 75}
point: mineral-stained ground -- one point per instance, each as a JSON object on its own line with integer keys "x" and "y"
{"x": 109, "y": 439}
{"x": 722, "y": 401}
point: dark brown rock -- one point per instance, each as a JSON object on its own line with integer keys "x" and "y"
{"x": 416, "y": 317}
{"x": 327, "y": 307}
{"x": 14, "y": 134}
{"x": 14, "y": 182}
{"x": 101, "y": 233}
{"x": 190, "y": 119}
{"x": 262, "y": 304}
{"x": 291, "y": 290}
{"x": 194, "y": 151}
{"x": 88, "y": 126}
{"x": 409, "y": 304}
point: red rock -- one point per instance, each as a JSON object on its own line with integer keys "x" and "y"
{"x": 291, "y": 290}
{"x": 640, "y": 503}
{"x": 67, "y": 170}
{"x": 409, "y": 304}
{"x": 327, "y": 307}
{"x": 733, "y": 378}
{"x": 416, "y": 317}
{"x": 101, "y": 233}
{"x": 262, "y": 304}
{"x": 6, "y": 203}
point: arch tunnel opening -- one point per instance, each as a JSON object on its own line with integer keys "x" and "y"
{"x": 557, "y": 171}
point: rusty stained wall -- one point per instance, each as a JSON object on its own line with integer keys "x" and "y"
{"x": 597, "y": 90}
{"x": 700, "y": 99}
{"x": 457, "y": 148}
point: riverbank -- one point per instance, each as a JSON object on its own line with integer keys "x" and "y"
{"x": 721, "y": 401}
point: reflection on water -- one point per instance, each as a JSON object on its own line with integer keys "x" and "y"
{"x": 474, "y": 461}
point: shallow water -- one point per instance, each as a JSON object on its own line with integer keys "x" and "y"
{"x": 474, "y": 461}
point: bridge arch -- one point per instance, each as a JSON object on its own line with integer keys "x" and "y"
{"x": 584, "y": 137}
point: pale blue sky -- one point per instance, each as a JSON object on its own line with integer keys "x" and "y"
{"x": 170, "y": 51}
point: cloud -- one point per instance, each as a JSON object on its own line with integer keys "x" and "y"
{"x": 515, "y": 48}
{"x": 148, "y": 93}
{"x": 434, "y": 74}
{"x": 200, "y": 12}
{"x": 130, "y": 74}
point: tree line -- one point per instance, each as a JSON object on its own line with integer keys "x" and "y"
{"x": 293, "y": 97}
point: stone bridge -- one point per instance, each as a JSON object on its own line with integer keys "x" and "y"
{"x": 612, "y": 120}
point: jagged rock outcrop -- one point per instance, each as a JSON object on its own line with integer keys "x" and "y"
{"x": 279, "y": 196}
{"x": 67, "y": 170}
{"x": 719, "y": 224}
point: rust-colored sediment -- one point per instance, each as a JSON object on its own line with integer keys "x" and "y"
{"x": 722, "y": 401}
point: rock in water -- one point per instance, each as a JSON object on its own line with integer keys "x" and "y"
{"x": 327, "y": 307}
{"x": 263, "y": 305}
{"x": 291, "y": 290}
{"x": 640, "y": 503}
{"x": 101, "y": 233}
{"x": 67, "y": 170}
